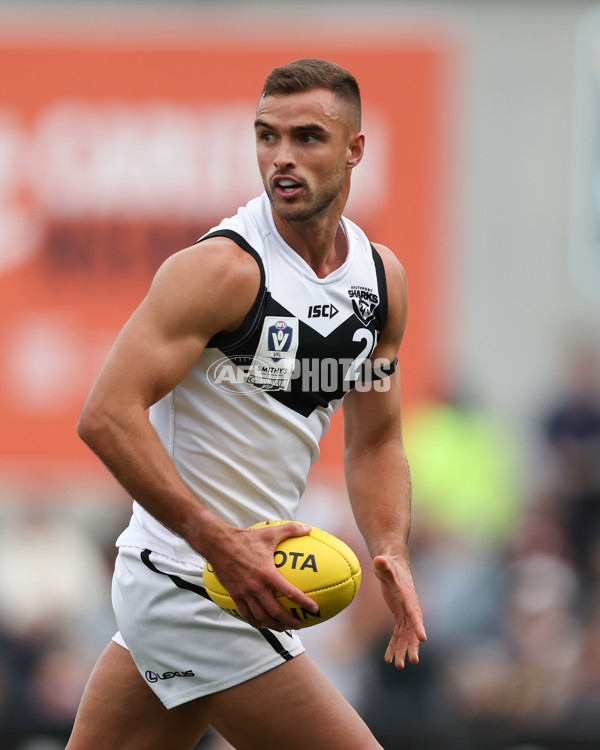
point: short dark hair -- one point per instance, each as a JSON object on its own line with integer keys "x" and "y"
{"x": 313, "y": 73}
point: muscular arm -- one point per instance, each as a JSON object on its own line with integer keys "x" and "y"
{"x": 378, "y": 477}
{"x": 196, "y": 293}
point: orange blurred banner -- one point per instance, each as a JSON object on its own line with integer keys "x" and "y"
{"x": 114, "y": 156}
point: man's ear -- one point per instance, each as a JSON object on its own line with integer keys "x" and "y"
{"x": 356, "y": 149}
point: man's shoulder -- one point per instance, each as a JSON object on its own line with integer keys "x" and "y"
{"x": 248, "y": 222}
{"x": 213, "y": 283}
{"x": 216, "y": 258}
{"x": 394, "y": 270}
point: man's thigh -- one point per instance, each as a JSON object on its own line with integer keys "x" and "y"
{"x": 119, "y": 710}
{"x": 292, "y": 706}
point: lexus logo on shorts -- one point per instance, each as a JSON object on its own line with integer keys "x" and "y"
{"x": 155, "y": 677}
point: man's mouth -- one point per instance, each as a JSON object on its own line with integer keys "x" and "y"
{"x": 286, "y": 185}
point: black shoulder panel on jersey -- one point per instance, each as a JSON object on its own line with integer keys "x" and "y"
{"x": 326, "y": 366}
{"x": 381, "y": 313}
{"x": 226, "y": 340}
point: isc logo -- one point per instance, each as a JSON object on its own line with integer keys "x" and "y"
{"x": 322, "y": 311}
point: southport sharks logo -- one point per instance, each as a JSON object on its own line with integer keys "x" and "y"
{"x": 364, "y": 302}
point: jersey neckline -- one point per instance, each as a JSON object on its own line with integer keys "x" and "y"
{"x": 297, "y": 261}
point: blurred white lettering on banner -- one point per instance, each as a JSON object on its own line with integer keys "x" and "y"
{"x": 117, "y": 160}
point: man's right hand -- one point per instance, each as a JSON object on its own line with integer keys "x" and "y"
{"x": 244, "y": 565}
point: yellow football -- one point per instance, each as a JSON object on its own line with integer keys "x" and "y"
{"x": 319, "y": 564}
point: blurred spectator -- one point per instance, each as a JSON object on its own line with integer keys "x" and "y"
{"x": 53, "y": 618}
{"x": 571, "y": 431}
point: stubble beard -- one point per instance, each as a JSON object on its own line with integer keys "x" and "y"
{"x": 307, "y": 209}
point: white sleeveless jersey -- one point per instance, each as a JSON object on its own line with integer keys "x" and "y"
{"x": 243, "y": 427}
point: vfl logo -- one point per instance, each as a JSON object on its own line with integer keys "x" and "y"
{"x": 280, "y": 338}
{"x": 154, "y": 677}
{"x": 364, "y": 302}
{"x": 277, "y": 346}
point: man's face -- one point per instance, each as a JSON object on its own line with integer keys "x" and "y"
{"x": 307, "y": 143}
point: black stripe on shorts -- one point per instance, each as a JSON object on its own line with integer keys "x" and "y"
{"x": 267, "y": 634}
{"x": 179, "y": 582}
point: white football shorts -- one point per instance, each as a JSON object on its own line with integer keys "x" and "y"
{"x": 183, "y": 644}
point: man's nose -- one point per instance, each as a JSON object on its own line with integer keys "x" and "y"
{"x": 284, "y": 156}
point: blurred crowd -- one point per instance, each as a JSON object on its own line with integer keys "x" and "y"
{"x": 55, "y": 614}
{"x": 506, "y": 553}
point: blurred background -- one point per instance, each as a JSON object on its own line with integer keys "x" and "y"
{"x": 125, "y": 133}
